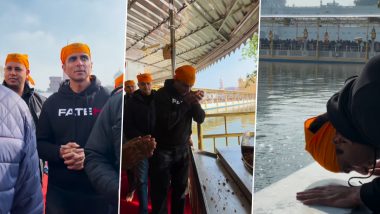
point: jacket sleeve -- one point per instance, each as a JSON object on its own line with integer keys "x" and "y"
{"x": 124, "y": 115}
{"x": 28, "y": 193}
{"x": 131, "y": 129}
{"x": 370, "y": 195}
{"x": 198, "y": 113}
{"x": 47, "y": 150}
{"x": 165, "y": 113}
{"x": 100, "y": 155}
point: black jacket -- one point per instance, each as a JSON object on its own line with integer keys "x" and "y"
{"x": 103, "y": 150}
{"x": 33, "y": 100}
{"x": 126, "y": 98}
{"x": 68, "y": 116}
{"x": 116, "y": 90}
{"x": 174, "y": 117}
{"x": 140, "y": 115}
{"x": 354, "y": 112}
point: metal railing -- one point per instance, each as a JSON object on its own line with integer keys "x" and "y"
{"x": 225, "y": 135}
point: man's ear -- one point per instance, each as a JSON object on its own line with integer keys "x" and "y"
{"x": 27, "y": 72}
{"x": 64, "y": 68}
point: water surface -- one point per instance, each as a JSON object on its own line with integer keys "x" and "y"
{"x": 288, "y": 94}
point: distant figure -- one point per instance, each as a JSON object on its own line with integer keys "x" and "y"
{"x": 347, "y": 138}
{"x": 118, "y": 84}
{"x": 176, "y": 106}
{"x": 129, "y": 87}
{"x": 20, "y": 187}
{"x": 65, "y": 123}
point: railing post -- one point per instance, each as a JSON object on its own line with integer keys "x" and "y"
{"x": 200, "y": 136}
{"x": 214, "y": 145}
{"x": 225, "y": 128}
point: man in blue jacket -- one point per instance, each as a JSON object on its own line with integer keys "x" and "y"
{"x": 20, "y": 188}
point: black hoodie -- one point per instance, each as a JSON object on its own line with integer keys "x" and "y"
{"x": 174, "y": 117}
{"x": 355, "y": 112}
{"x": 140, "y": 115}
{"x": 67, "y": 116}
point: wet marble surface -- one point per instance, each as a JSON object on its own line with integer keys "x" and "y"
{"x": 232, "y": 160}
{"x": 220, "y": 192}
{"x": 280, "y": 197}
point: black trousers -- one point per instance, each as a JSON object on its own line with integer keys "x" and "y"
{"x": 61, "y": 201}
{"x": 169, "y": 167}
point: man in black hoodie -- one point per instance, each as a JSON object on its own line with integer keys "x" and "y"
{"x": 354, "y": 114}
{"x": 65, "y": 123}
{"x": 140, "y": 121}
{"x": 176, "y": 107}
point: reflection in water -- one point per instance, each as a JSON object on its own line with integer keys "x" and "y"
{"x": 215, "y": 125}
{"x": 288, "y": 94}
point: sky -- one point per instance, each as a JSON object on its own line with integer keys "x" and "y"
{"x": 229, "y": 70}
{"x": 317, "y": 2}
{"x": 40, "y": 28}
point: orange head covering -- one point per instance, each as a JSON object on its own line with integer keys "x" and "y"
{"x": 320, "y": 145}
{"x": 185, "y": 74}
{"x": 130, "y": 83}
{"x": 119, "y": 80}
{"x": 22, "y": 59}
{"x": 19, "y": 58}
{"x": 74, "y": 48}
{"x": 146, "y": 77}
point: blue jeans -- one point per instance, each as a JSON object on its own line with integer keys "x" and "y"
{"x": 138, "y": 180}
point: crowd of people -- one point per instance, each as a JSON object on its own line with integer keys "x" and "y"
{"x": 166, "y": 115}
{"x": 311, "y": 45}
{"x": 78, "y": 132}
{"x": 75, "y": 131}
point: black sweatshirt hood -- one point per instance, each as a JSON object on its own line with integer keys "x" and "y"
{"x": 65, "y": 89}
{"x": 139, "y": 96}
{"x": 169, "y": 84}
{"x": 355, "y": 109}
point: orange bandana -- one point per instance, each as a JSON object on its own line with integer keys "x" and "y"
{"x": 22, "y": 59}
{"x": 146, "y": 77}
{"x": 320, "y": 145}
{"x": 74, "y": 48}
{"x": 119, "y": 80}
{"x": 18, "y": 58}
{"x": 185, "y": 74}
{"x": 129, "y": 83}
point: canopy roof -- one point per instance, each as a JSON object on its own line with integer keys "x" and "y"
{"x": 206, "y": 31}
